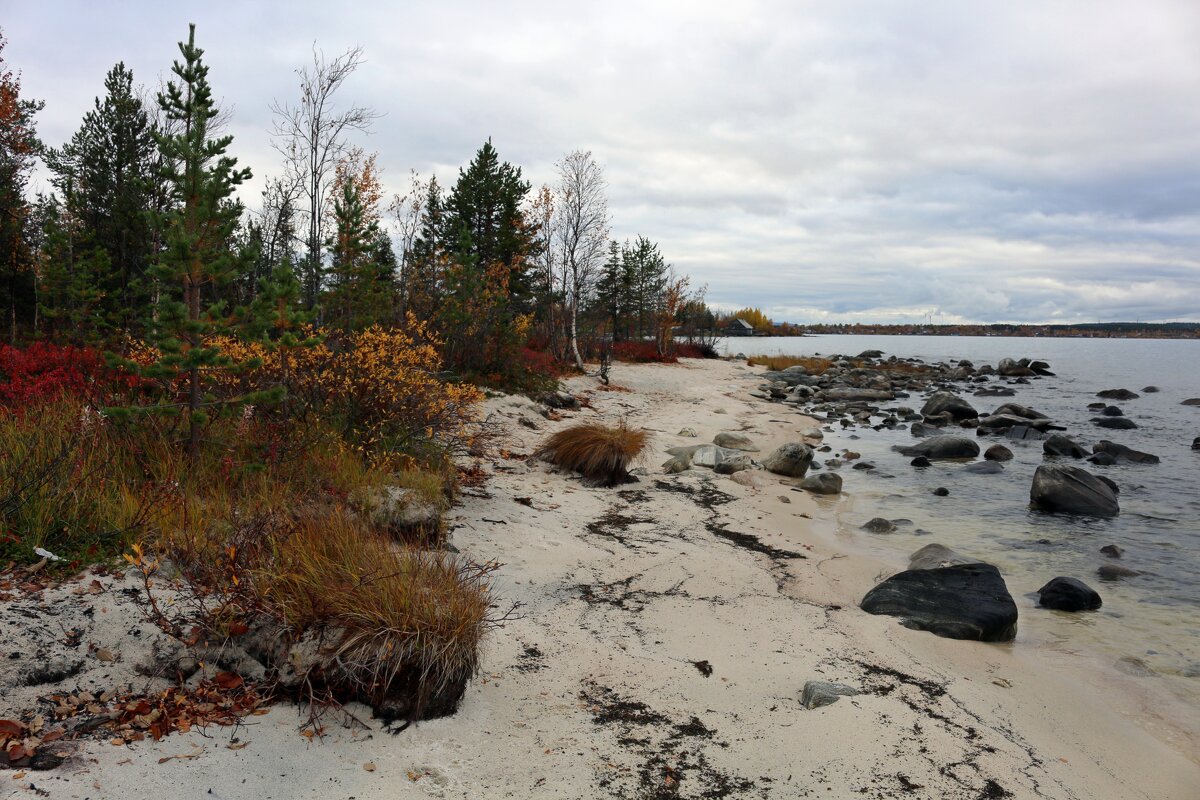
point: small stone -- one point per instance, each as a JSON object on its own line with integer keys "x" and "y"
{"x": 1112, "y": 551}
{"x": 921, "y": 461}
{"x": 941, "y": 491}
{"x": 1068, "y": 594}
{"x": 689, "y": 432}
{"x": 823, "y": 693}
{"x": 1115, "y": 572}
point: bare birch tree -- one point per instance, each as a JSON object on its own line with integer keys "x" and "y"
{"x": 580, "y": 234}
{"x": 407, "y": 210}
{"x": 312, "y": 138}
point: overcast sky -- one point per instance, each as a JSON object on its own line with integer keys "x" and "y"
{"x": 837, "y": 161}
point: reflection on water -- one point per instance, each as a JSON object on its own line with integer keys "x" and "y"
{"x": 1148, "y": 623}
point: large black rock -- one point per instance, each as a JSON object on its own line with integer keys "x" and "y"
{"x": 963, "y": 601}
{"x": 1061, "y": 445}
{"x": 1068, "y": 594}
{"x": 1120, "y": 453}
{"x": 1115, "y": 423}
{"x": 1071, "y": 490}
{"x": 947, "y": 403}
{"x": 943, "y": 447}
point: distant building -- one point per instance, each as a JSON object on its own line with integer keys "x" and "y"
{"x": 739, "y": 327}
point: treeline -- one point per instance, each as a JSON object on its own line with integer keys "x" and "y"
{"x": 1096, "y": 330}
{"x": 143, "y": 236}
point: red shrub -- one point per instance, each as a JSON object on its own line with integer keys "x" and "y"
{"x": 641, "y": 353}
{"x": 45, "y": 372}
{"x": 540, "y": 363}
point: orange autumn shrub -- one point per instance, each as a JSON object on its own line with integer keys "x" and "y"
{"x": 381, "y": 385}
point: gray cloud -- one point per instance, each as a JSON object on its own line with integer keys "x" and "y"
{"x": 1017, "y": 161}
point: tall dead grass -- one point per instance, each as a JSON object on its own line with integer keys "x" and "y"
{"x": 600, "y": 453}
{"x": 405, "y": 623}
{"x": 814, "y": 365}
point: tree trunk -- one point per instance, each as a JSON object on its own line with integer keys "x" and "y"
{"x": 575, "y": 337}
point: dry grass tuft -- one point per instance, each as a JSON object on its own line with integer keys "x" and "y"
{"x": 403, "y": 624}
{"x": 815, "y": 366}
{"x": 598, "y": 452}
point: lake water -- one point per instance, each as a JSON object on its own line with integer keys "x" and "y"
{"x": 1149, "y": 625}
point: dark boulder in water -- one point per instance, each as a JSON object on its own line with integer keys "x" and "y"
{"x": 1112, "y": 551}
{"x": 941, "y": 491}
{"x": 998, "y": 452}
{"x": 1068, "y": 594}
{"x": 984, "y": 468}
{"x": 1118, "y": 394}
{"x": 825, "y": 483}
{"x": 1196, "y": 443}
{"x": 1071, "y": 490}
{"x": 879, "y": 525}
{"x": 1150, "y": 389}
{"x": 1114, "y": 423}
{"x": 1061, "y": 445}
{"x": 962, "y": 601}
{"x": 1115, "y": 572}
{"x": 921, "y": 461}
{"x": 1018, "y": 410}
{"x": 943, "y": 447}
{"x": 1121, "y": 454}
{"x": 1111, "y": 411}
{"x": 946, "y": 403}
{"x": 1191, "y": 401}
{"x": 1024, "y": 433}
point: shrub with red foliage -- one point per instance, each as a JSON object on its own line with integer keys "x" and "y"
{"x": 690, "y": 350}
{"x": 540, "y": 363}
{"x": 44, "y": 372}
{"x": 641, "y": 353}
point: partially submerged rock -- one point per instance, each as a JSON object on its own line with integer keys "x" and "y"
{"x": 998, "y": 452}
{"x": 1071, "y": 490}
{"x": 1068, "y": 594}
{"x": 823, "y": 483}
{"x": 963, "y": 601}
{"x": 946, "y": 403}
{"x": 1120, "y": 453}
{"x": 879, "y": 525}
{"x": 943, "y": 447}
{"x": 1118, "y": 394}
{"x": 1061, "y": 445}
{"x": 932, "y": 556}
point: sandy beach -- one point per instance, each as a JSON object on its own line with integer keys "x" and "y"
{"x": 664, "y": 631}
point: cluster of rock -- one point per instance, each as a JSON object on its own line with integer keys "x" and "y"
{"x": 730, "y": 453}
{"x": 942, "y": 592}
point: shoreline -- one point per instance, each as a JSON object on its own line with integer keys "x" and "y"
{"x": 665, "y": 632}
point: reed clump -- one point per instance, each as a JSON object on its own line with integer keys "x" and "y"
{"x": 599, "y": 453}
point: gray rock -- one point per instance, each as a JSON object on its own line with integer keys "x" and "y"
{"x": 735, "y": 441}
{"x": 984, "y": 468}
{"x": 689, "y": 432}
{"x": 728, "y": 466}
{"x": 791, "y": 459}
{"x": 1150, "y": 389}
{"x": 823, "y": 693}
{"x": 1111, "y": 411}
{"x": 1191, "y": 401}
{"x": 1112, "y": 551}
{"x": 824, "y": 483}
{"x": 1071, "y": 490}
{"x": 943, "y": 447}
{"x": 676, "y": 465}
{"x": 879, "y": 525}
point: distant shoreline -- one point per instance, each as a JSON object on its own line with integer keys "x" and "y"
{"x": 1024, "y": 332}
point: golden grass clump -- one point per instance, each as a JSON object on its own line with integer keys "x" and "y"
{"x": 598, "y": 452}
{"x": 815, "y": 366}
{"x": 401, "y": 626}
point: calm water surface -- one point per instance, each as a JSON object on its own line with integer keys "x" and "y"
{"x": 1153, "y": 618}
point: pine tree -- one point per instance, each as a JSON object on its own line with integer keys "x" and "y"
{"x": 197, "y": 259}
{"x": 353, "y": 300}
{"x": 105, "y": 176}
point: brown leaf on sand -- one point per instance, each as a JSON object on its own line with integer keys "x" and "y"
{"x": 228, "y": 680}
{"x": 236, "y": 745}
{"x": 199, "y": 751}
{"x": 11, "y": 728}
{"x": 369, "y": 766}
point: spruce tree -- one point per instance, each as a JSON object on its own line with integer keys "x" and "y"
{"x": 197, "y": 259}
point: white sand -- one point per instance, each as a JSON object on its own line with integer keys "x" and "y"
{"x": 611, "y": 616}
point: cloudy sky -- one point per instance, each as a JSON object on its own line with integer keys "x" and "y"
{"x": 835, "y": 161}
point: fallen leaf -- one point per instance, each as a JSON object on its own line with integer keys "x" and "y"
{"x": 414, "y": 777}
{"x": 18, "y": 775}
{"x": 199, "y": 751}
{"x": 106, "y": 655}
{"x": 95, "y": 587}
{"x": 11, "y": 728}
{"x": 369, "y": 766}
{"x": 228, "y": 680}
{"x": 236, "y": 745}
{"x": 117, "y": 742}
